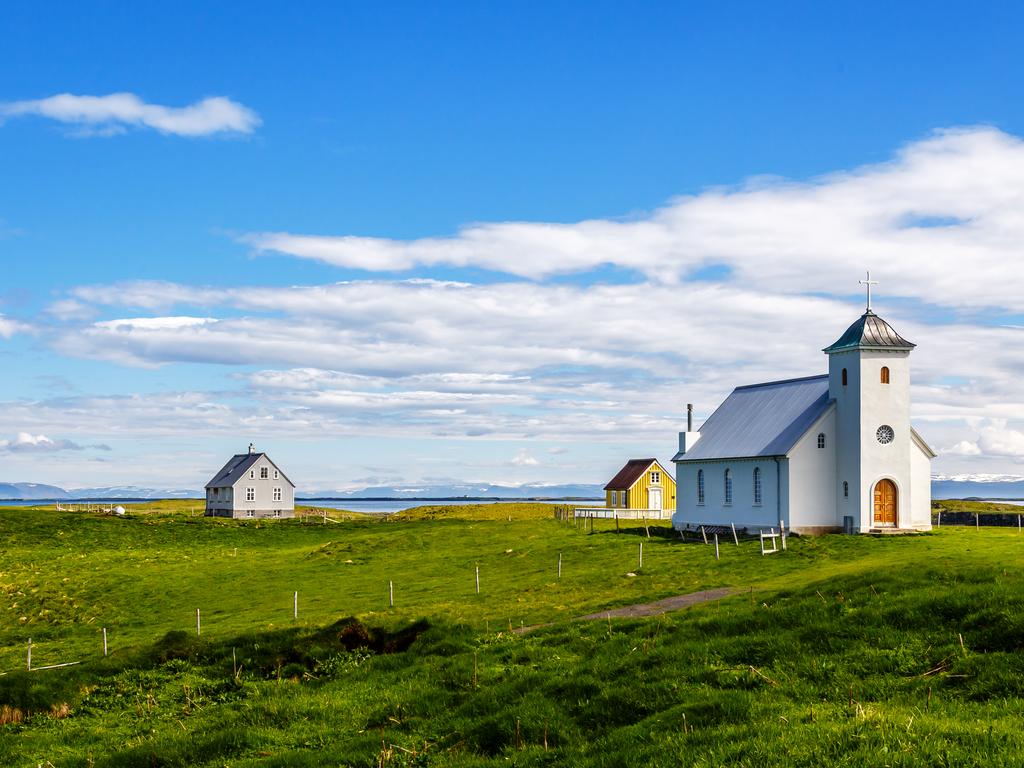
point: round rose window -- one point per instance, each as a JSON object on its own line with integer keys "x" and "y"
{"x": 885, "y": 434}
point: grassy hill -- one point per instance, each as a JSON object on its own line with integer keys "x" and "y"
{"x": 840, "y": 651}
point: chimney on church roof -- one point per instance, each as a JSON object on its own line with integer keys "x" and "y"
{"x": 689, "y": 417}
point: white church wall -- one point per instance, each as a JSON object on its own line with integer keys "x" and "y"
{"x": 848, "y": 429}
{"x": 743, "y": 512}
{"x": 885, "y": 404}
{"x": 920, "y": 489}
{"x": 812, "y": 479}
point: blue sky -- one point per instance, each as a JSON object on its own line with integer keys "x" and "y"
{"x": 409, "y": 243}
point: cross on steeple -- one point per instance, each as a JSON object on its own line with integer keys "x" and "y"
{"x": 868, "y": 282}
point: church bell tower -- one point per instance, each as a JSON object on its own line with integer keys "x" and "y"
{"x": 869, "y": 380}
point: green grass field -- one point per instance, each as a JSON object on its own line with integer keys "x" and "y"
{"x": 840, "y": 651}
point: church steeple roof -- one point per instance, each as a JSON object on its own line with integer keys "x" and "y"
{"x": 869, "y": 332}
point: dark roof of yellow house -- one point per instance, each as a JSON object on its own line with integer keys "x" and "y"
{"x": 629, "y": 474}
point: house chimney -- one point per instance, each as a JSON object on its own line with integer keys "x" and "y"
{"x": 689, "y": 417}
{"x": 252, "y": 448}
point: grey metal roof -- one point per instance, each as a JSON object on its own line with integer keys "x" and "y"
{"x": 237, "y": 466}
{"x": 761, "y": 420}
{"x": 234, "y": 469}
{"x": 869, "y": 332}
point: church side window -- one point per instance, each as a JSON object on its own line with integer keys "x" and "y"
{"x": 700, "y": 486}
{"x": 821, "y": 439}
{"x": 728, "y": 486}
{"x": 844, "y": 377}
{"x": 885, "y": 374}
{"x": 757, "y": 485}
{"x": 846, "y": 490}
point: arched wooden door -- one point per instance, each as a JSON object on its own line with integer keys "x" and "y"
{"x": 886, "y": 503}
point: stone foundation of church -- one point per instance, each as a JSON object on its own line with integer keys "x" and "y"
{"x": 815, "y": 530}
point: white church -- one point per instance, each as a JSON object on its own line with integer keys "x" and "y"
{"x": 820, "y": 454}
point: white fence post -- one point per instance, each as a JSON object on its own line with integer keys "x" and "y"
{"x": 735, "y": 538}
{"x": 199, "y": 626}
{"x": 641, "y": 560}
{"x": 295, "y": 606}
{"x": 559, "y": 565}
{"x": 29, "y": 660}
{"x": 391, "y": 594}
{"x": 478, "y": 579}
{"x": 104, "y": 641}
{"x": 716, "y": 548}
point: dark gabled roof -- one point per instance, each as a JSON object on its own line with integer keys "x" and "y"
{"x": 870, "y": 332}
{"x": 629, "y": 474}
{"x": 761, "y": 420}
{"x": 237, "y": 466}
{"x": 234, "y": 469}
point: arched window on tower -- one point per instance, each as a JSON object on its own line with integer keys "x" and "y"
{"x": 844, "y": 377}
{"x": 728, "y": 486}
{"x": 821, "y": 439}
{"x": 757, "y": 485}
{"x": 700, "y": 486}
{"x": 846, "y": 490}
{"x": 885, "y": 374}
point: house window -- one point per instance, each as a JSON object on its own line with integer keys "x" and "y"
{"x": 276, "y": 474}
{"x": 844, "y": 377}
{"x": 252, "y": 474}
{"x": 885, "y": 374}
{"x": 700, "y": 486}
{"x": 277, "y": 494}
{"x": 728, "y": 486}
{"x": 277, "y": 513}
{"x": 615, "y": 498}
{"x": 250, "y": 513}
{"x": 846, "y": 490}
{"x": 655, "y": 477}
{"x": 625, "y": 498}
{"x": 757, "y": 485}
{"x": 250, "y": 494}
{"x": 821, "y": 439}
{"x": 264, "y": 473}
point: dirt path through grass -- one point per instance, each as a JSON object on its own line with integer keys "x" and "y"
{"x": 656, "y": 608}
{"x": 661, "y": 606}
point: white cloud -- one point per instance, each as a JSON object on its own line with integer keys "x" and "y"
{"x": 27, "y": 442}
{"x": 565, "y": 364}
{"x": 10, "y": 327}
{"x": 524, "y": 459}
{"x": 953, "y": 199}
{"x": 999, "y": 440}
{"x": 153, "y": 323}
{"x": 116, "y": 112}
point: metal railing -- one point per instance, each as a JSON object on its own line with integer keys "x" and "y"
{"x": 622, "y": 513}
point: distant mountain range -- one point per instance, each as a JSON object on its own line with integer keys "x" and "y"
{"x": 34, "y": 491}
{"x": 944, "y": 488}
{"x": 466, "y": 490}
{"x": 982, "y": 489}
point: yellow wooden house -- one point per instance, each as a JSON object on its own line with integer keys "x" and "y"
{"x": 642, "y": 485}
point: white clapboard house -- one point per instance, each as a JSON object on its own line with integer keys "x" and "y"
{"x": 250, "y": 485}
